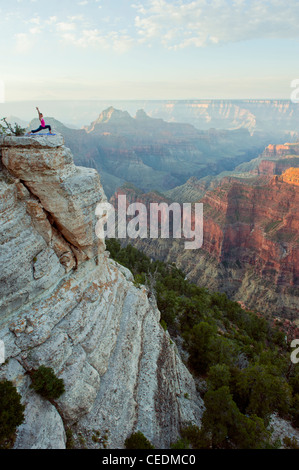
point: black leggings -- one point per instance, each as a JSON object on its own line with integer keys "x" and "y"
{"x": 41, "y": 128}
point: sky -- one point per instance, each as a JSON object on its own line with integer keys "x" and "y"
{"x": 150, "y": 49}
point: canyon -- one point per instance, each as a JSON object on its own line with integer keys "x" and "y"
{"x": 153, "y": 153}
{"x": 251, "y": 232}
{"x": 247, "y": 186}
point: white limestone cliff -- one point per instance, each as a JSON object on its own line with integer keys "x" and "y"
{"x": 65, "y": 304}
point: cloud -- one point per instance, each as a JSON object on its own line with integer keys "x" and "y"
{"x": 35, "y": 30}
{"x": 76, "y": 18}
{"x": 172, "y": 24}
{"x": 52, "y": 20}
{"x": 65, "y": 26}
{"x": 76, "y": 30}
{"x": 96, "y": 39}
{"x": 178, "y": 24}
{"x": 35, "y": 20}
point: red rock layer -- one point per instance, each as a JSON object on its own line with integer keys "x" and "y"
{"x": 291, "y": 176}
{"x": 256, "y": 225}
{"x": 251, "y": 242}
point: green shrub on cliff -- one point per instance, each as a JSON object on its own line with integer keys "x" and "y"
{"x": 258, "y": 390}
{"x": 219, "y": 376}
{"x": 223, "y": 423}
{"x": 45, "y": 382}
{"x": 7, "y": 129}
{"x": 11, "y": 411}
{"x": 137, "y": 440}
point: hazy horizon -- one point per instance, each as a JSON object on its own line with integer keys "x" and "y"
{"x": 199, "y": 112}
{"x": 145, "y": 99}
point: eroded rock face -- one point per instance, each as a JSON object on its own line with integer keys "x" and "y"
{"x": 41, "y": 421}
{"x": 66, "y": 305}
{"x": 291, "y": 176}
{"x": 250, "y": 241}
{"x": 67, "y": 193}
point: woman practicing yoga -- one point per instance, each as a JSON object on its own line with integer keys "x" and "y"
{"x": 42, "y": 124}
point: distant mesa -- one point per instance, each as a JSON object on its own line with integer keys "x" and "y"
{"x": 141, "y": 114}
{"x": 112, "y": 114}
{"x": 111, "y": 117}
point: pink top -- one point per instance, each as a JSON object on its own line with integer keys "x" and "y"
{"x": 43, "y": 124}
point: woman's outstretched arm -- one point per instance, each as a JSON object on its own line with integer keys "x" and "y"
{"x": 39, "y": 113}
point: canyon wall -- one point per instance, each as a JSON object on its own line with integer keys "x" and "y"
{"x": 65, "y": 304}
